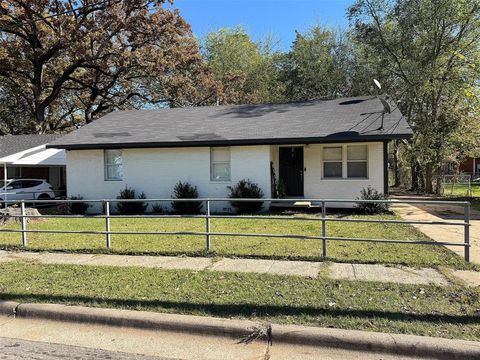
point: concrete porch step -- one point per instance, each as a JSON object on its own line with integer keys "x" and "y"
{"x": 294, "y": 203}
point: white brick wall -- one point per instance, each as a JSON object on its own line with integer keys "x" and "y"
{"x": 318, "y": 187}
{"x": 156, "y": 171}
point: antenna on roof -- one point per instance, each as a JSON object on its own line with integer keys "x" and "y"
{"x": 386, "y": 106}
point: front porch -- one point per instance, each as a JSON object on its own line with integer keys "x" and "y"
{"x": 326, "y": 171}
{"x": 295, "y": 204}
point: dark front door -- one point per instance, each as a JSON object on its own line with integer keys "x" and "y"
{"x": 291, "y": 169}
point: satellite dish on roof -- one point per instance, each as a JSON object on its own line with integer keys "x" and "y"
{"x": 386, "y": 106}
{"x": 386, "y": 110}
{"x": 383, "y": 99}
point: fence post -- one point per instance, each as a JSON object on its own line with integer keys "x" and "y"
{"x": 466, "y": 212}
{"x": 324, "y": 230}
{"x": 24, "y": 223}
{"x": 107, "y": 223}
{"x": 207, "y": 225}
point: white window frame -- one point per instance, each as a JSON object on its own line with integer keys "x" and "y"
{"x": 332, "y": 161}
{"x": 345, "y": 161}
{"x": 212, "y": 163}
{"x": 106, "y": 165}
{"x": 358, "y": 161}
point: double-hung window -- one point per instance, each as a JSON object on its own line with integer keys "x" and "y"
{"x": 345, "y": 161}
{"x": 357, "y": 161}
{"x": 113, "y": 162}
{"x": 332, "y": 162}
{"x": 220, "y": 164}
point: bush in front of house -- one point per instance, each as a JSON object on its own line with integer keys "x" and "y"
{"x": 184, "y": 190}
{"x": 133, "y": 207}
{"x": 77, "y": 208}
{"x": 246, "y": 189}
{"x": 372, "y": 208}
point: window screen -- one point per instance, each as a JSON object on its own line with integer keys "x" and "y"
{"x": 113, "y": 165}
{"x": 220, "y": 164}
{"x": 357, "y": 161}
{"x": 332, "y": 162}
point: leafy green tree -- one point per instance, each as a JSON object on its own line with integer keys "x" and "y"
{"x": 429, "y": 52}
{"x": 316, "y": 65}
{"x": 245, "y": 69}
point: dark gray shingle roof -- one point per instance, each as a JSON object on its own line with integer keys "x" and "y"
{"x": 12, "y": 144}
{"x": 347, "y": 119}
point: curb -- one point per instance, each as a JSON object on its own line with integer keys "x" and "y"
{"x": 8, "y": 308}
{"x": 406, "y": 345}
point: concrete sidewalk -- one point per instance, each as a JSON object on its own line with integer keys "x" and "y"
{"x": 446, "y": 233}
{"x": 343, "y": 271}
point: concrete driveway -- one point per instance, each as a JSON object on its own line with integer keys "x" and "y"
{"x": 444, "y": 233}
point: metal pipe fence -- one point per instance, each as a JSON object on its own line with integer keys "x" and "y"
{"x": 32, "y": 197}
{"x": 457, "y": 185}
{"x": 207, "y": 215}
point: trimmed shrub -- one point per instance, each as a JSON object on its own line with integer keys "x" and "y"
{"x": 184, "y": 190}
{"x": 77, "y": 208}
{"x": 131, "y": 208}
{"x": 246, "y": 189}
{"x": 372, "y": 208}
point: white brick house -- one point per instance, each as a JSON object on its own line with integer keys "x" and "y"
{"x": 317, "y": 149}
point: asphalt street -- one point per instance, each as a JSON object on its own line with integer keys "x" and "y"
{"x": 14, "y": 349}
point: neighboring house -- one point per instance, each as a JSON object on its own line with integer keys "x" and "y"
{"x": 26, "y": 156}
{"x": 470, "y": 166}
{"x": 317, "y": 149}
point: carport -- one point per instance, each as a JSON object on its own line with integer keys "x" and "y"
{"x": 26, "y": 156}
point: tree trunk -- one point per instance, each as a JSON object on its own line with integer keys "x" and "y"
{"x": 415, "y": 177}
{"x": 88, "y": 115}
{"x": 421, "y": 178}
{"x": 429, "y": 179}
{"x": 438, "y": 189}
{"x": 39, "y": 119}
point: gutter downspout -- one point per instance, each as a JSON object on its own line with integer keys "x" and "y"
{"x": 385, "y": 167}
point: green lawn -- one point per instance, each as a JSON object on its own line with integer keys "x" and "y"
{"x": 451, "y": 311}
{"x": 414, "y": 255}
{"x": 475, "y": 203}
{"x": 461, "y": 190}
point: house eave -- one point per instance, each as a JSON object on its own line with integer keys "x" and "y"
{"x": 226, "y": 142}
